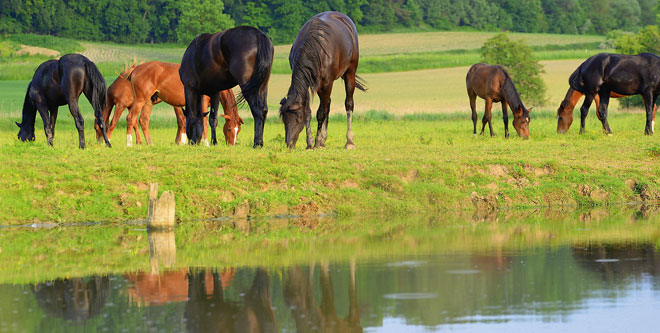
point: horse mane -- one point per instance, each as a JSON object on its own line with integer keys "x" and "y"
{"x": 308, "y": 57}
{"x": 29, "y": 113}
{"x": 511, "y": 93}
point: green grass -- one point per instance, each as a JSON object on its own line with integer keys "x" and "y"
{"x": 399, "y": 166}
{"x": 61, "y": 45}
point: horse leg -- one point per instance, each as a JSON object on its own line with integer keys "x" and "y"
{"x": 181, "y": 138}
{"x": 584, "y": 110}
{"x": 649, "y": 101}
{"x": 473, "y": 106}
{"x": 80, "y": 122}
{"x": 205, "y": 135}
{"x": 322, "y": 116}
{"x": 213, "y": 119}
{"x": 145, "y": 115}
{"x": 505, "y": 117}
{"x": 119, "y": 109}
{"x": 602, "y": 110}
{"x": 486, "y": 119}
{"x": 259, "y": 109}
{"x": 349, "y": 104}
{"x": 53, "y": 119}
{"x": 308, "y": 127}
{"x": 131, "y": 121}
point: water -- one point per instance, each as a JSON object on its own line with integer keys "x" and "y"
{"x": 494, "y": 276}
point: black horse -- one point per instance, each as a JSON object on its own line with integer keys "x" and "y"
{"x": 325, "y": 49}
{"x": 625, "y": 75}
{"x": 240, "y": 56}
{"x": 60, "y": 82}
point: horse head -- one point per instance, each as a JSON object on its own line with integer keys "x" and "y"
{"x": 564, "y": 117}
{"x": 25, "y": 133}
{"x": 231, "y": 128}
{"x": 293, "y": 114}
{"x": 521, "y": 121}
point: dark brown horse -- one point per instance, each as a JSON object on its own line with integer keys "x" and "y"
{"x": 494, "y": 84}
{"x": 60, "y": 82}
{"x": 240, "y": 56}
{"x": 325, "y": 49}
{"x": 624, "y": 75}
{"x": 565, "y": 110}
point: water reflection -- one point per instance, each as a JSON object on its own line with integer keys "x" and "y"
{"x": 615, "y": 262}
{"x": 212, "y": 312}
{"x": 74, "y": 299}
{"x": 299, "y": 297}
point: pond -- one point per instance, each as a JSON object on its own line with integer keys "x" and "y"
{"x": 580, "y": 272}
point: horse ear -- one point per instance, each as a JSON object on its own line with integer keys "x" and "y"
{"x": 19, "y": 125}
{"x": 283, "y": 101}
{"x": 240, "y": 120}
{"x": 530, "y": 109}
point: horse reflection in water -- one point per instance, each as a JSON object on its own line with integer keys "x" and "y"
{"x": 75, "y": 299}
{"x": 214, "y": 313}
{"x": 299, "y": 297}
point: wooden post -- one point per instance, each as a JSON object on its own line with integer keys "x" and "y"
{"x": 161, "y": 211}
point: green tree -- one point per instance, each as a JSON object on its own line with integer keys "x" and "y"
{"x": 199, "y": 16}
{"x": 516, "y": 57}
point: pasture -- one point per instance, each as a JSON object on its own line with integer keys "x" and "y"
{"x": 415, "y": 150}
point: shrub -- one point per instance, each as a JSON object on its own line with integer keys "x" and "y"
{"x": 516, "y": 57}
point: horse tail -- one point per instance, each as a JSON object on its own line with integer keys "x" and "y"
{"x": 575, "y": 80}
{"x": 96, "y": 83}
{"x": 262, "y": 67}
{"x": 360, "y": 83}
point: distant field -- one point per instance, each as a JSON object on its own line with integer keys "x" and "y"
{"x": 378, "y": 52}
{"x": 426, "y": 91}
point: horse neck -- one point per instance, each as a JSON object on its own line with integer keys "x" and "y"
{"x": 511, "y": 95}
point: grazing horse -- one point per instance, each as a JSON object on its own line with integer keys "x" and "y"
{"x": 240, "y": 56}
{"x": 325, "y": 49}
{"x": 565, "y": 110}
{"x": 494, "y": 84}
{"x": 624, "y": 75}
{"x": 160, "y": 80}
{"x": 60, "y": 82}
{"x": 119, "y": 95}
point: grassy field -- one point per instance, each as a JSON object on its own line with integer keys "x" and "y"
{"x": 378, "y": 52}
{"x": 415, "y": 163}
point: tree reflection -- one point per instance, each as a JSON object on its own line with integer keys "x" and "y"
{"x": 75, "y": 299}
{"x": 614, "y": 262}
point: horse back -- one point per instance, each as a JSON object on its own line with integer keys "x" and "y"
{"x": 486, "y": 81}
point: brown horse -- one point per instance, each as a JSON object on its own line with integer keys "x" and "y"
{"x": 494, "y": 84}
{"x": 240, "y": 56}
{"x": 120, "y": 95}
{"x": 161, "y": 80}
{"x": 325, "y": 49}
{"x": 565, "y": 110}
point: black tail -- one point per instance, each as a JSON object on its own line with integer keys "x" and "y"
{"x": 97, "y": 88}
{"x": 262, "y": 67}
{"x": 575, "y": 80}
{"x": 360, "y": 83}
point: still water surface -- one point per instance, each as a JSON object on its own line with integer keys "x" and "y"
{"x": 590, "y": 285}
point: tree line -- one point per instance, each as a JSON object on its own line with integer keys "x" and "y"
{"x": 178, "y": 21}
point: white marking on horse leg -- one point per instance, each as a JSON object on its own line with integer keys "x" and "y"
{"x": 184, "y": 139}
{"x": 235, "y": 135}
{"x": 206, "y": 142}
{"x": 129, "y": 140}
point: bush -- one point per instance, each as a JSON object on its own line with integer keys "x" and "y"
{"x": 516, "y": 57}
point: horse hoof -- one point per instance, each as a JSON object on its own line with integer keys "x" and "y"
{"x": 206, "y": 143}
{"x": 349, "y": 146}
